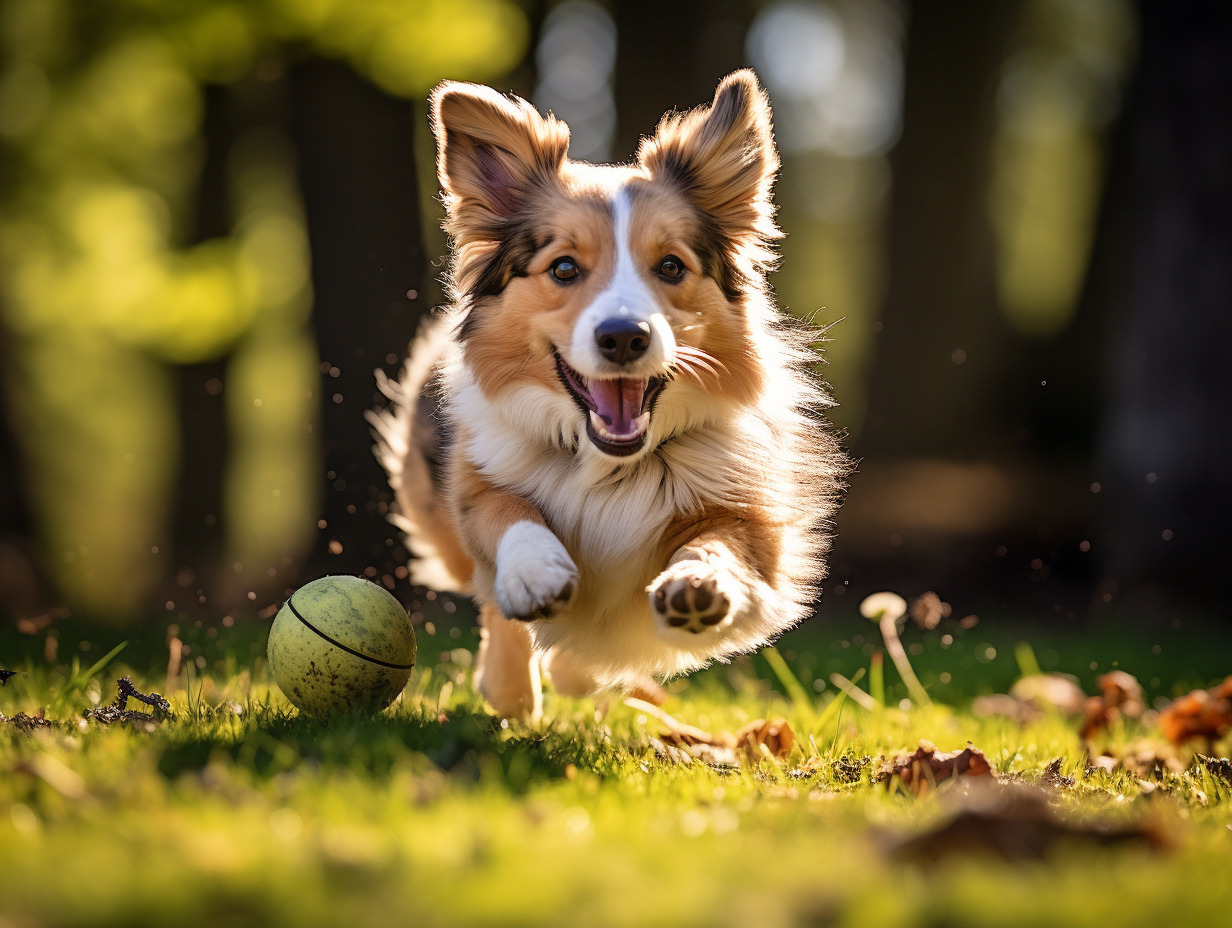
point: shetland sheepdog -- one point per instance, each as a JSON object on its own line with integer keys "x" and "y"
{"x": 611, "y": 439}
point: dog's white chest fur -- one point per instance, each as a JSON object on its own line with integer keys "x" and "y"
{"x": 609, "y": 516}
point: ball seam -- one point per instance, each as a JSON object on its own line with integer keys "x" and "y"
{"x": 338, "y": 644}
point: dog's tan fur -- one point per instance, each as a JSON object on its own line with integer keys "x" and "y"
{"x": 706, "y": 542}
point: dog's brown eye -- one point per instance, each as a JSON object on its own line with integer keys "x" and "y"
{"x": 671, "y": 268}
{"x": 564, "y": 270}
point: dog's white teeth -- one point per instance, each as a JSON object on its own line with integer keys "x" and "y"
{"x": 639, "y": 425}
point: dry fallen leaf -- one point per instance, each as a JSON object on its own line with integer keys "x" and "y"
{"x": 26, "y": 723}
{"x": 928, "y": 609}
{"x": 683, "y": 743}
{"x": 1033, "y": 695}
{"x": 683, "y": 749}
{"x": 1205, "y": 714}
{"x": 924, "y": 768}
{"x": 1016, "y": 822}
{"x": 118, "y": 711}
{"x": 1050, "y": 692}
{"x": 759, "y": 738}
{"x": 1054, "y": 777}
{"x": 1219, "y": 767}
{"x": 1120, "y": 696}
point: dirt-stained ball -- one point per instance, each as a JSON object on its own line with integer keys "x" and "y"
{"x": 341, "y": 644}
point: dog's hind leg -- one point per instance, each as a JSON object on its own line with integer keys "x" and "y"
{"x": 507, "y": 669}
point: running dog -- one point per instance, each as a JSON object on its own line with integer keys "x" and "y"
{"x": 611, "y": 438}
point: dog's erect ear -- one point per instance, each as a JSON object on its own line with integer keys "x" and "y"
{"x": 492, "y": 151}
{"x": 722, "y": 156}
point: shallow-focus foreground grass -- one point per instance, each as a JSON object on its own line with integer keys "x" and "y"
{"x": 235, "y": 811}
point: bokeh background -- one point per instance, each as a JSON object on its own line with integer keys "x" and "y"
{"x": 1009, "y": 220}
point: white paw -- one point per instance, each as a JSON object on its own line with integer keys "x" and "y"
{"x": 694, "y": 597}
{"x": 534, "y": 574}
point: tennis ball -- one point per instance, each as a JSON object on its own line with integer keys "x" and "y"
{"x": 341, "y": 644}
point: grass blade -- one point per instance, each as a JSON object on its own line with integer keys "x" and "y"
{"x": 1024, "y": 654}
{"x": 876, "y": 678}
{"x": 82, "y": 677}
{"x": 831, "y": 712}
{"x": 791, "y": 685}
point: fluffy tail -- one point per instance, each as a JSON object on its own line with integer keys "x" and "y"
{"x": 412, "y": 443}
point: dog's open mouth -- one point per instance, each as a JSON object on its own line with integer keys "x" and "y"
{"x": 617, "y": 410}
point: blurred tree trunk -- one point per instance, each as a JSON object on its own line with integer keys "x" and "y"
{"x": 935, "y": 381}
{"x": 357, "y": 174}
{"x": 1163, "y": 277}
{"x": 671, "y": 57}
{"x": 197, "y": 531}
{"x": 22, "y": 587}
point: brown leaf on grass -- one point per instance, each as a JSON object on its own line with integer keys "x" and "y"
{"x": 1016, "y": 822}
{"x": 1148, "y": 760}
{"x": 1120, "y": 696}
{"x": 118, "y": 711}
{"x": 928, "y": 609}
{"x": 1055, "y": 778}
{"x": 850, "y": 769}
{"x": 1103, "y": 762}
{"x": 683, "y": 743}
{"x": 759, "y": 738}
{"x": 717, "y": 750}
{"x": 1050, "y": 692}
{"x": 1205, "y": 714}
{"x": 1004, "y": 706}
{"x": 26, "y": 723}
{"x": 1219, "y": 767}
{"x": 923, "y": 769}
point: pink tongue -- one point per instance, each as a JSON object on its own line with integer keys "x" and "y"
{"x": 618, "y": 402}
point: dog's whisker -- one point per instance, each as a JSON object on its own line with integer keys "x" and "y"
{"x": 694, "y": 362}
{"x": 704, "y": 357}
{"x": 690, "y": 369}
{"x": 696, "y": 376}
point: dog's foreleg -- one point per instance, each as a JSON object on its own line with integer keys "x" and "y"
{"x": 522, "y": 572}
{"x": 520, "y": 563}
{"x": 507, "y": 670}
{"x": 711, "y": 580}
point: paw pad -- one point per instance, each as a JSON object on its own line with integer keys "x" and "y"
{"x": 688, "y": 597}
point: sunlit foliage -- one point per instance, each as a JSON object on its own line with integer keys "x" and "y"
{"x": 103, "y": 286}
{"x": 1060, "y": 89}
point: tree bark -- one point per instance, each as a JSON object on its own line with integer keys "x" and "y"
{"x": 1164, "y": 279}
{"x": 197, "y": 529}
{"x": 23, "y": 589}
{"x": 658, "y": 68}
{"x": 934, "y": 386}
{"x": 357, "y": 174}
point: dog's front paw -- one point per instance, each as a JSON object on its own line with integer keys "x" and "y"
{"x": 535, "y": 575}
{"x": 693, "y": 596}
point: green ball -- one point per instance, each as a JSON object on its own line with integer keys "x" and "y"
{"x": 341, "y": 644}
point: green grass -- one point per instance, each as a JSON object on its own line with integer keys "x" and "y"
{"x": 238, "y": 812}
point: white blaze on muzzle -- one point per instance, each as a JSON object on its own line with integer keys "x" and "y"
{"x": 626, "y": 297}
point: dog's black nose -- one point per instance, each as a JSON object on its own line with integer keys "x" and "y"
{"x": 622, "y": 340}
